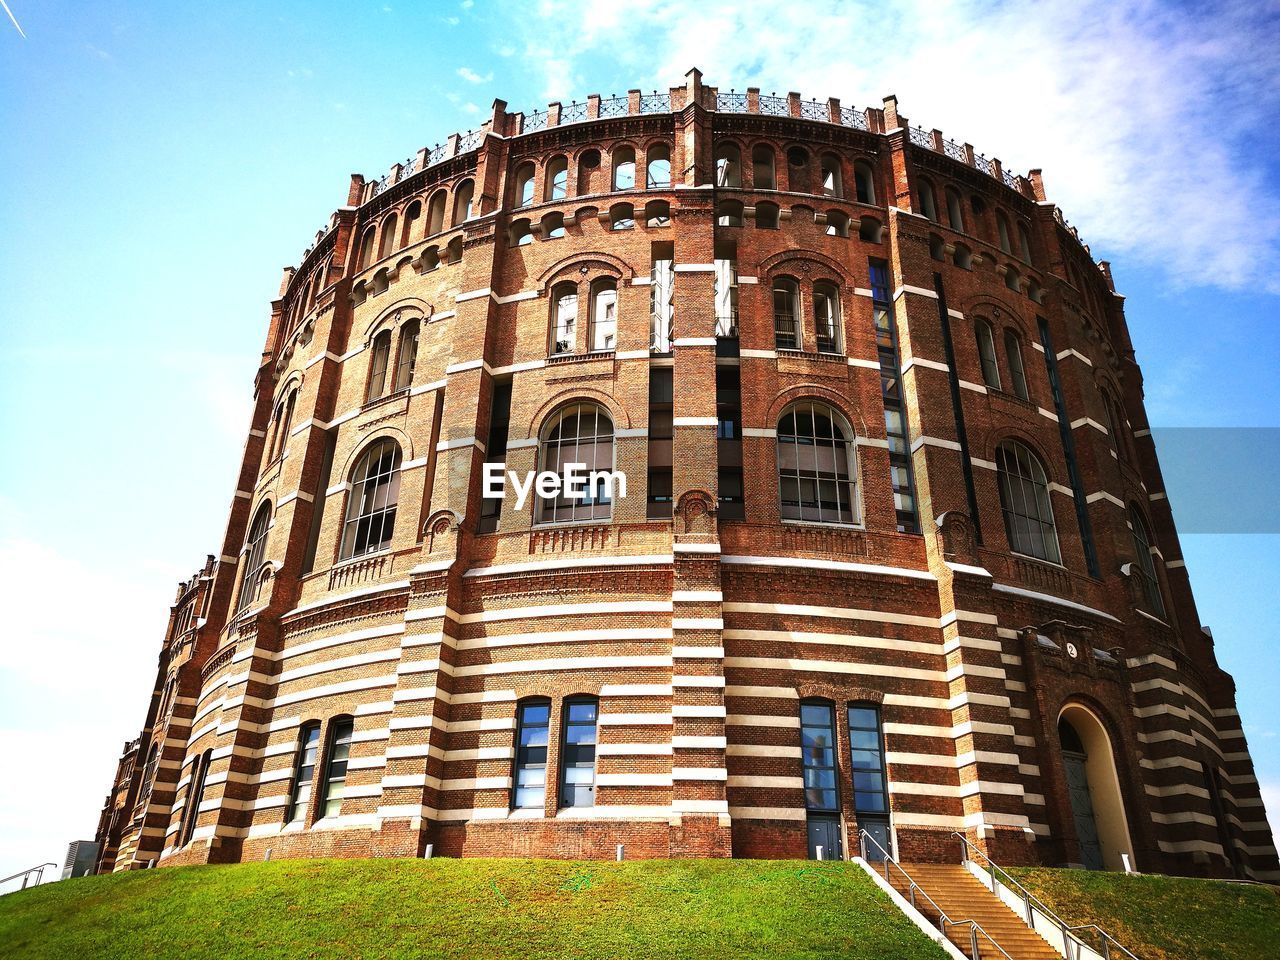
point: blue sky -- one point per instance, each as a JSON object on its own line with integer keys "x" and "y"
{"x": 166, "y": 161}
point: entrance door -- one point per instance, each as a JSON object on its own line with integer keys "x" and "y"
{"x": 825, "y": 833}
{"x": 1082, "y": 808}
{"x": 877, "y": 830}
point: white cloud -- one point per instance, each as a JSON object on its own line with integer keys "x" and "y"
{"x": 1145, "y": 117}
{"x": 469, "y": 75}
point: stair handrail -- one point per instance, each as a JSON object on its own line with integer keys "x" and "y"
{"x": 38, "y": 870}
{"x": 975, "y": 928}
{"x": 1030, "y": 901}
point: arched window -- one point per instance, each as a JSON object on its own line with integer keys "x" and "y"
{"x": 522, "y": 192}
{"x": 826, "y": 316}
{"x": 864, "y": 182}
{"x": 657, "y": 213}
{"x": 533, "y": 727}
{"x": 604, "y": 315}
{"x": 870, "y": 230}
{"x": 987, "y": 353}
{"x": 1024, "y": 242}
{"x": 285, "y": 423}
{"x": 412, "y": 214}
{"x": 371, "y": 506}
{"x": 728, "y": 166}
{"x": 815, "y": 464}
{"x": 149, "y": 775}
{"x": 589, "y": 175}
{"x": 304, "y": 771}
{"x": 622, "y": 216}
{"x": 1002, "y": 231}
{"x": 786, "y": 313}
{"x": 453, "y": 251}
{"x": 837, "y": 224}
{"x": 963, "y": 257}
{"x": 762, "y": 167}
{"x": 729, "y": 213}
{"x": 578, "y": 752}
{"x": 435, "y": 212}
{"x": 407, "y": 355}
{"x": 1034, "y": 291}
{"x": 557, "y": 178}
{"x": 195, "y": 796}
{"x": 520, "y": 233}
{"x": 255, "y": 550}
{"x": 1146, "y": 568}
{"x": 767, "y": 216}
{"x": 1116, "y": 424}
{"x": 955, "y": 213}
{"x": 578, "y": 434}
{"x": 553, "y": 225}
{"x": 832, "y": 182}
{"x": 564, "y": 318}
{"x": 658, "y": 163}
{"x": 379, "y": 359}
{"x": 1017, "y": 373}
{"x": 937, "y": 248}
{"x": 334, "y": 785}
{"x": 928, "y": 208}
{"x": 388, "y": 245}
{"x": 430, "y": 259}
{"x": 1024, "y": 498}
{"x": 624, "y": 168}
{"x": 462, "y": 201}
{"x": 367, "y": 248}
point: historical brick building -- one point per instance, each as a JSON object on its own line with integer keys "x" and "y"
{"x": 894, "y": 553}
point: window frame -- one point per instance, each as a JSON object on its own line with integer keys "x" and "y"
{"x": 563, "y": 328}
{"x": 408, "y": 341}
{"x": 254, "y": 554}
{"x": 1149, "y": 579}
{"x": 807, "y": 764}
{"x": 568, "y": 793}
{"x": 589, "y": 509}
{"x": 1017, "y": 367}
{"x": 843, "y": 453}
{"x": 790, "y": 287}
{"x": 304, "y": 773}
{"x": 1041, "y": 496}
{"x": 365, "y": 501}
{"x": 517, "y": 764}
{"x": 379, "y": 362}
{"x": 341, "y": 733}
{"x": 826, "y": 299}
{"x": 985, "y": 340}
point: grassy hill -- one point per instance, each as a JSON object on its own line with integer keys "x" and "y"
{"x": 559, "y": 910}
{"x": 1166, "y": 918}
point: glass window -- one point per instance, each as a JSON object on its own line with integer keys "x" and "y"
{"x": 407, "y": 356}
{"x": 786, "y": 313}
{"x": 533, "y": 722}
{"x": 604, "y": 315}
{"x": 1024, "y": 497}
{"x": 1002, "y": 229}
{"x": 304, "y": 770}
{"x": 564, "y": 333}
{"x": 818, "y": 753}
{"x": 1017, "y": 373}
{"x": 870, "y": 790}
{"x": 254, "y": 554}
{"x": 371, "y": 507}
{"x": 815, "y": 473}
{"x": 661, "y": 304}
{"x": 826, "y": 315}
{"x": 1146, "y": 568}
{"x": 578, "y": 753}
{"x": 195, "y": 796}
{"x": 335, "y": 770}
{"x": 378, "y": 362}
{"x": 582, "y": 434}
{"x": 895, "y": 424}
{"x": 987, "y": 354}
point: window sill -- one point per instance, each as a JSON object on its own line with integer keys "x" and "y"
{"x": 1057, "y": 565}
{"x": 824, "y": 524}
{"x": 386, "y": 398}
{"x": 559, "y": 358}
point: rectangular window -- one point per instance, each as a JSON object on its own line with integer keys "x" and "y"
{"x": 496, "y": 451}
{"x": 195, "y": 796}
{"x": 870, "y": 791}
{"x": 661, "y": 297}
{"x": 335, "y": 771}
{"x": 304, "y": 771}
{"x": 378, "y": 365}
{"x": 660, "y": 443}
{"x": 818, "y": 751}
{"x": 578, "y": 755}
{"x": 726, "y": 290}
{"x": 533, "y": 721}
{"x": 895, "y": 413}
{"x": 729, "y": 441}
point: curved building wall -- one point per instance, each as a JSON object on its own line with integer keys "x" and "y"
{"x": 801, "y": 620}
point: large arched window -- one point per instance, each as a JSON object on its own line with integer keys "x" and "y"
{"x": 624, "y": 168}
{"x": 928, "y": 207}
{"x": 407, "y": 355}
{"x": 604, "y": 315}
{"x": 578, "y": 434}
{"x": 435, "y": 212}
{"x": 255, "y": 549}
{"x": 1024, "y": 242}
{"x": 815, "y": 464}
{"x": 367, "y": 248}
{"x": 412, "y": 214}
{"x": 462, "y": 201}
{"x": 786, "y": 313}
{"x": 826, "y": 316}
{"x": 557, "y": 178}
{"x": 955, "y": 213}
{"x": 522, "y": 192}
{"x": 728, "y": 166}
{"x": 658, "y": 163}
{"x": 1146, "y": 568}
{"x": 818, "y": 755}
{"x": 388, "y": 245}
{"x": 1017, "y": 372}
{"x": 1002, "y": 231}
{"x": 987, "y": 353}
{"x": 149, "y": 775}
{"x": 195, "y": 796}
{"x": 371, "y": 507}
{"x": 286, "y": 422}
{"x": 1116, "y": 424}
{"x": 762, "y": 167}
{"x": 379, "y": 360}
{"x": 564, "y": 318}
{"x": 864, "y": 181}
{"x": 1024, "y": 498}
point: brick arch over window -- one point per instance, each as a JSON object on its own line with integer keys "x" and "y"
{"x": 595, "y": 261}
{"x": 577, "y": 432}
{"x": 542, "y": 416}
{"x": 790, "y": 263}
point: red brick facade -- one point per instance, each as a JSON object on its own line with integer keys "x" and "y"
{"x": 701, "y": 632}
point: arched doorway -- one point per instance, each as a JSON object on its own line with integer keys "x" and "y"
{"x": 1097, "y": 807}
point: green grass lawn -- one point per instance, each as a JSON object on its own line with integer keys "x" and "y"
{"x": 1166, "y": 918}
{"x": 560, "y": 910}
